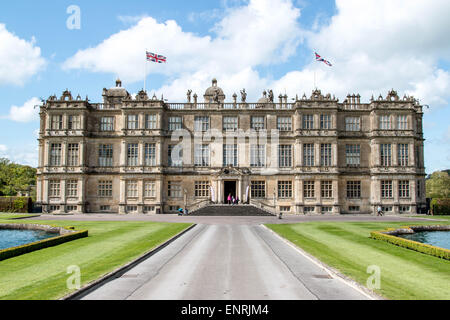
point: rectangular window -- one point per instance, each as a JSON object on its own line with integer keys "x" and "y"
{"x": 325, "y": 154}
{"x": 284, "y": 123}
{"x": 385, "y": 154}
{"x": 353, "y": 189}
{"x": 352, "y": 154}
{"x": 57, "y": 122}
{"x": 386, "y": 189}
{"x": 403, "y": 189}
{"x": 104, "y": 188}
{"x": 353, "y": 208}
{"x": 308, "y": 189}
{"x": 132, "y": 189}
{"x": 327, "y": 209}
{"x": 257, "y": 155}
{"x": 402, "y": 122}
{"x": 308, "y": 121}
{"x": 133, "y": 121}
{"x": 284, "y": 189}
{"x": 285, "y": 208}
{"x": 325, "y": 121}
{"x": 230, "y": 123}
{"x": 132, "y": 209}
{"x": 71, "y": 208}
{"x": 149, "y": 189}
{"x": 419, "y": 189}
{"x": 201, "y": 155}
{"x": 148, "y": 209}
{"x": 285, "y": 156}
{"x": 107, "y": 124}
{"x": 54, "y": 188}
{"x": 257, "y": 123}
{"x": 402, "y": 149}
{"x": 55, "y": 154}
{"x": 150, "y": 154}
{"x": 352, "y": 124}
{"x": 133, "y": 154}
{"x": 201, "y": 123}
{"x": 72, "y": 188}
{"x": 174, "y": 159}
{"x": 326, "y": 189}
{"x": 308, "y": 154}
{"x": 308, "y": 209}
{"x": 150, "y": 121}
{"x": 385, "y": 122}
{"x": 105, "y": 208}
{"x": 105, "y": 155}
{"x": 72, "y": 154}
{"x": 403, "y": 209}
{"x": 201, "y": 189}
{"x": 230, "y": 155}
{"x": 174, "y": 189}
{"x": 258, "y": 189}
{"x": 175, "y": 123}
{"x": 73, "y": 122}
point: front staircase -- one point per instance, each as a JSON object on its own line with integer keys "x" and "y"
{"x": 230, "y": 210}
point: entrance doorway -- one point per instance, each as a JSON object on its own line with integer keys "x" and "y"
{"x": 229, "y": 187}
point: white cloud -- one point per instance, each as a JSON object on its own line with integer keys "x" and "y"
{"x": 25, "y": 113}
{"x": 374, "y": 45}
{"x": 19, "y": 59}
{"x": 261, "y": 32}
{"x": 3, "y": 149}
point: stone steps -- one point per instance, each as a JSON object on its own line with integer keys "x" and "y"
{"x": 230, "y": 210}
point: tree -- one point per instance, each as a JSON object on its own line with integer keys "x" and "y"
{"x": 15, "y": 177}
{"x": 438, "y": 185}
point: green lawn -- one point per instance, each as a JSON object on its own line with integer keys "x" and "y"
{"x": 6, "y": 216}
{"x": 346, "y": 246}
{"x": 42, "y": 274}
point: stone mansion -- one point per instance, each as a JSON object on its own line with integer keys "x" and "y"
{"x": 314, "y": 155}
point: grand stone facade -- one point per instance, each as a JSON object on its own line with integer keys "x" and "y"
{"x": 315, "y": 155}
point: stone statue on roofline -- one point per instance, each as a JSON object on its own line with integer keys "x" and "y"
{"x": 216, "y": 96}
{"x": 243, "y": 95}
{"x": 270, "y": 95}
{"x": 189, "y": 96}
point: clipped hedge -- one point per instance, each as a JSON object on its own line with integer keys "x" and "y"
{"x": 16, "y": 204}
{"x": 410, "y": 244}
{"x": 440, "y": 206}
{"x": 50, "y": 242}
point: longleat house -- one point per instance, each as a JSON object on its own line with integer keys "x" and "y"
{"x": 308, "y": 155}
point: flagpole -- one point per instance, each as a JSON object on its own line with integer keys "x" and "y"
{"x": 145, "y": 71}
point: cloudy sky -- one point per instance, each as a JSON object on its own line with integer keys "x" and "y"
{"x": 374, "y": 45}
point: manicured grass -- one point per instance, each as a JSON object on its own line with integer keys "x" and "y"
{"x": 346, "y": 246}
{"x": 43, "y": 274}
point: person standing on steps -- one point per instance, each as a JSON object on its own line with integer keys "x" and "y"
{"x": 229, "y": 198}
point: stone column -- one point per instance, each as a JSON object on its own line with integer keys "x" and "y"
{"x": 123, "y": 154}
{"x": 64, "y": 154}
{"x": 63, "y": 195}
{"x": 82, "y": 153}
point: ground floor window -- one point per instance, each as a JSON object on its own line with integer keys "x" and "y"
{"x": 308, "y": 189}
{"x": 353, "y": 189}
{"x": 258, "y": 189}
{"x": 174, "y": 189}
{"x": 104, "y": 188}
{"x": 173, "y": 208}
{"x": 386, "y": 188}
{"x": 71, "y": 208}
{"x": 353, "y": 208}
{"x": 284, "y": 189}
{"x": 201, "y": 189}
{"x": 285, "y": 209}
{"x": 386, "y": 208}
{"x": 308, "y": 209}
{"x": 149, "y": 189}
{"x": 327, "y": 209}
{"x": 148, "y": 209}
{"x": 54, "y": 208}
{"x": 131, "y": 209}
{"x": 326, "y": 189}
{"x": 105, "y": 208}
{"x": 404, "y": 208}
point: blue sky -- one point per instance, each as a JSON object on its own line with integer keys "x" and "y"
{"x": 266, "y": 44}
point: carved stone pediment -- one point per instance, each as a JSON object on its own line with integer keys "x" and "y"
{"x": 232, "y": 171}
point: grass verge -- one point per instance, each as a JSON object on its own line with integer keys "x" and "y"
{"x": 42, "y": 274}
{"x": 346, "y": 246}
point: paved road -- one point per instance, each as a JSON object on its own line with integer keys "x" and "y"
{"x": 227, "y": 262}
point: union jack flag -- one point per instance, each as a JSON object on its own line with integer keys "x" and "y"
{"x": 156, "y": 57}
{"x": 319, "y": 58}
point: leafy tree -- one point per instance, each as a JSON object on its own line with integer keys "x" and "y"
{"x": 15, "y": 177}
{"x": 438, "y": 185}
